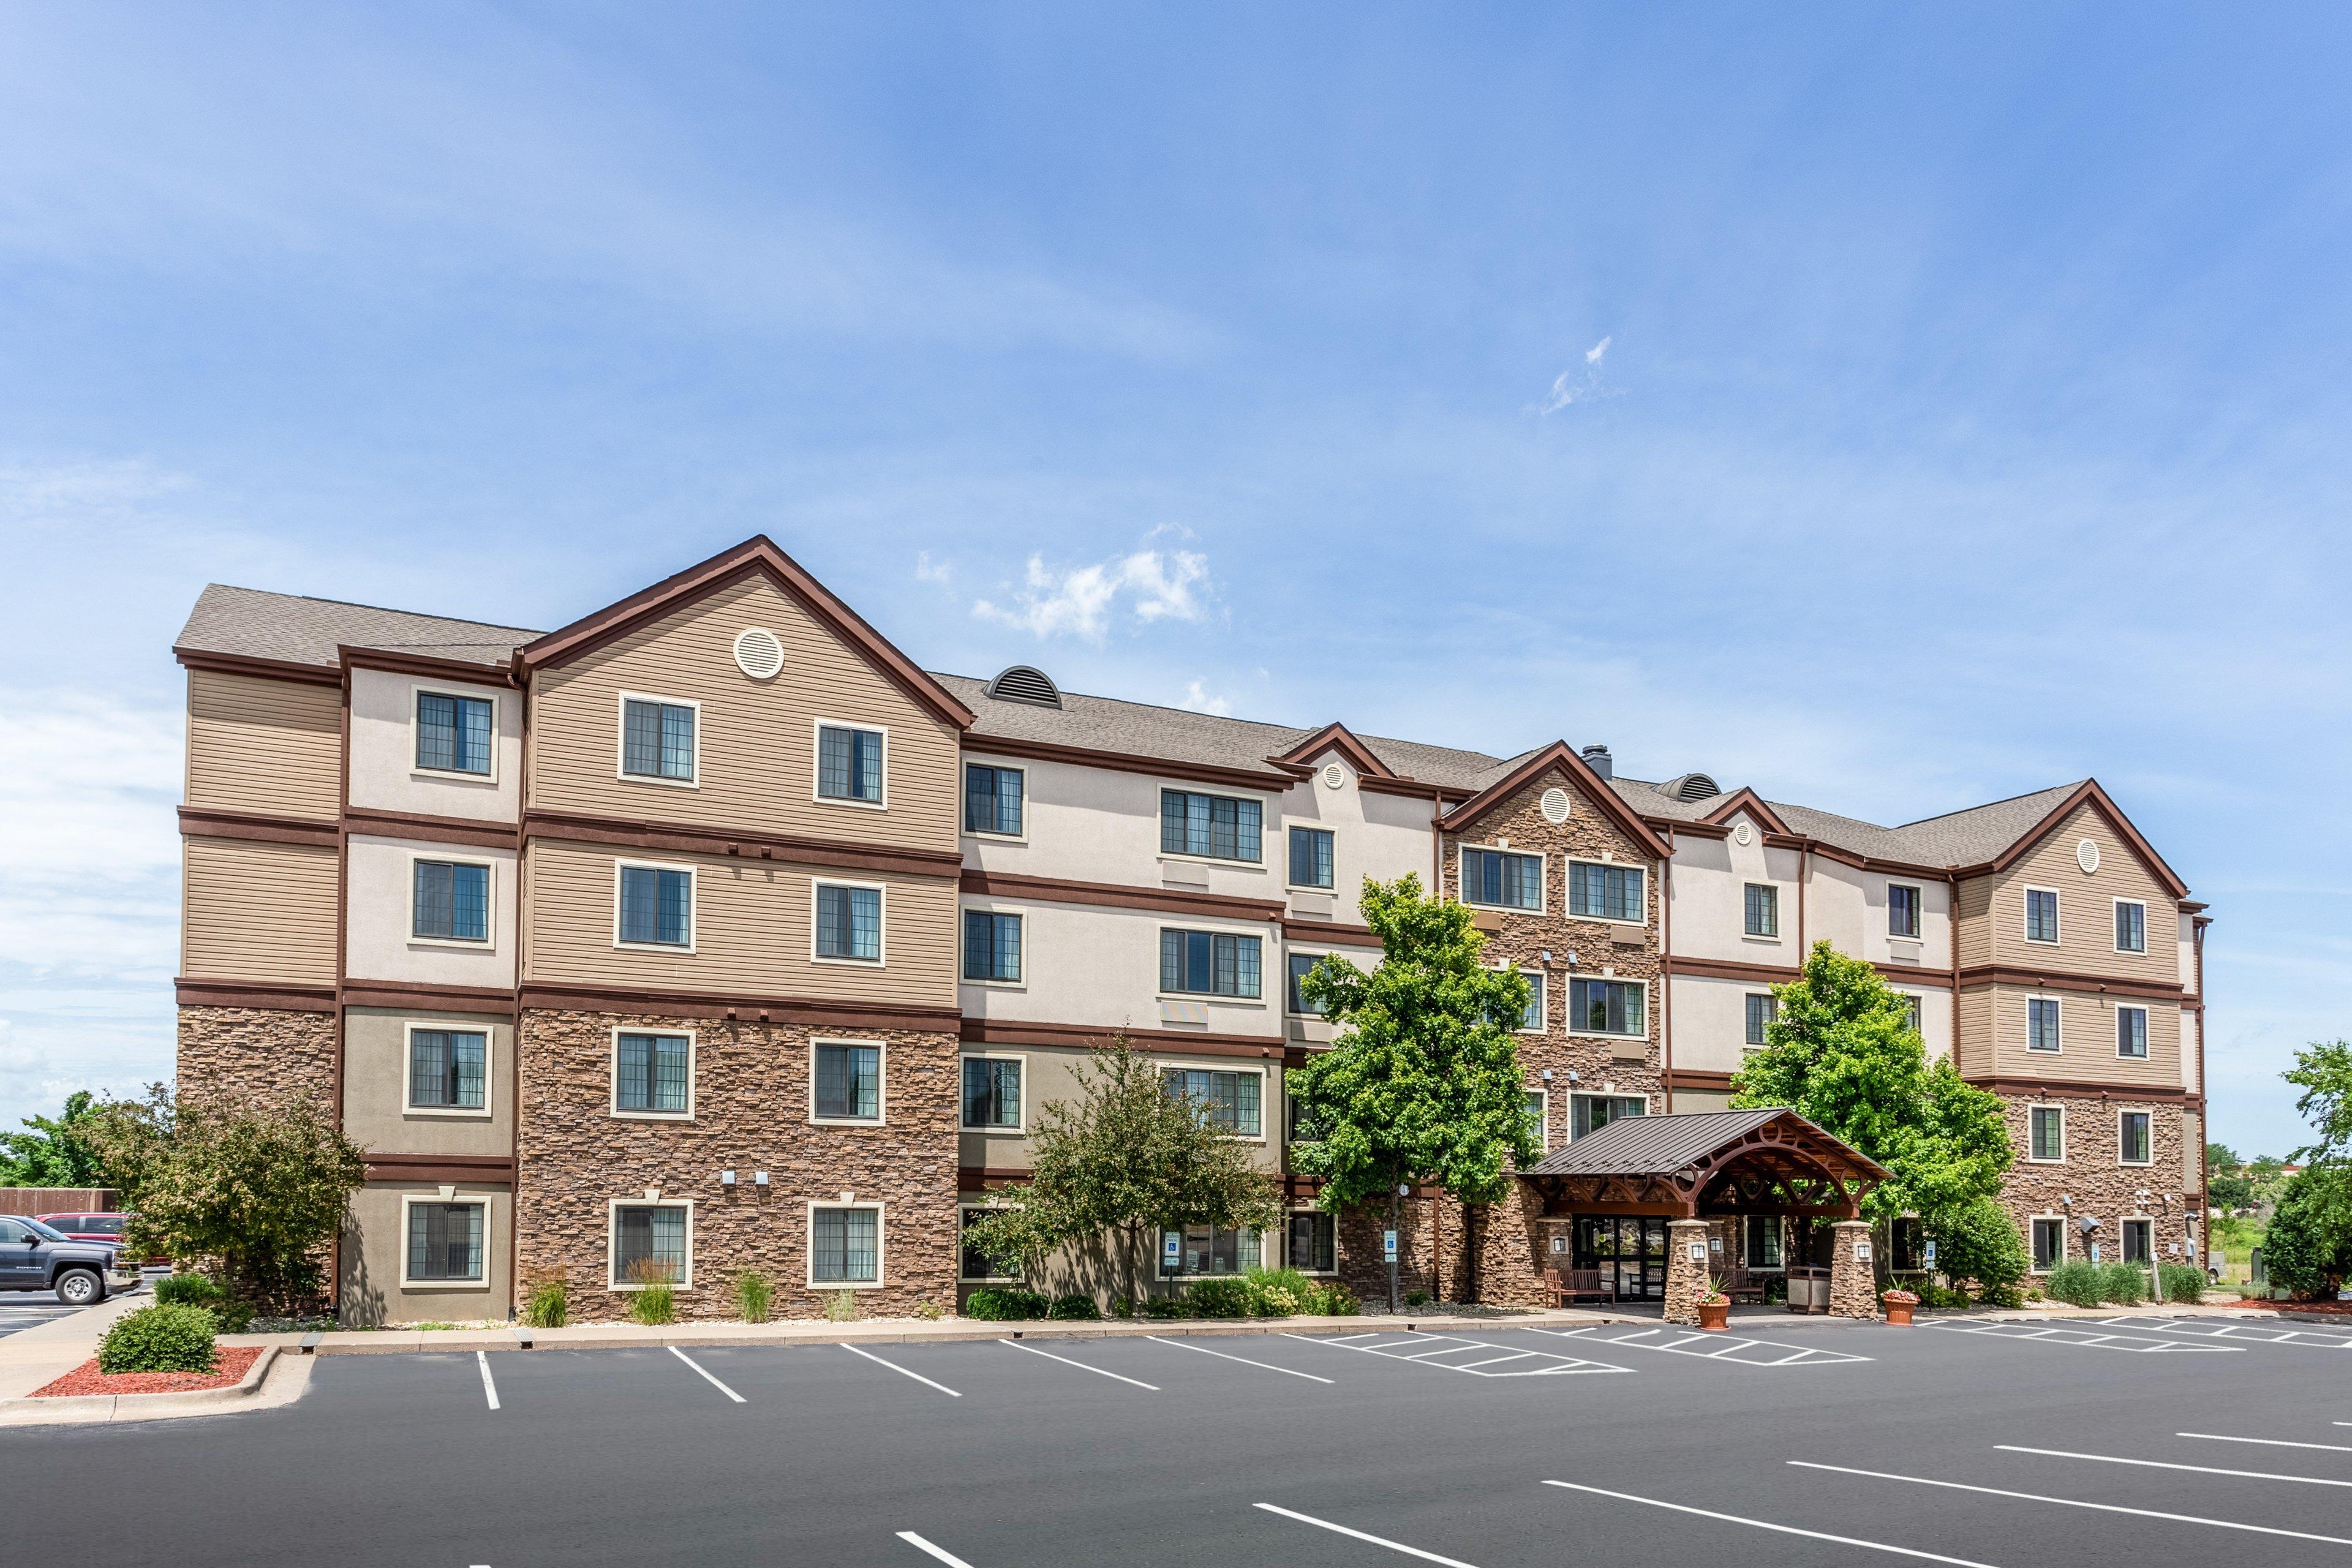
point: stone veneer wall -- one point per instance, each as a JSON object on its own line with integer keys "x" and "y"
{"x": 2094, "y": 1175}
{"x": 752, "y": 1097}
{"x": 259, "y": 1053}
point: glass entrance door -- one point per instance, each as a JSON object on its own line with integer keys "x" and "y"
{"x": 1631, "y": 1247}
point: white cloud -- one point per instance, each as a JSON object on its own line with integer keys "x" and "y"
{"x": 1198, "y": 701}
{"x": 1154, "y": 586}
{"x": 1569, "y": 386}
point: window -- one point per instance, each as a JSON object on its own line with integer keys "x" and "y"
{"x": 1911, "y": 1014}
{"x": 2041, "y": 1023}
{"x": 1763, "y": 909}
{"x": 1214, "y": 826}
{"x": 992, "y": 799}
{"x": 1314, "y": 1246}
{"x": 1605, "y": 892}
{"x": 992, "y": 946}
{"x": 845, "y": 1246}
{"x": 652, "y": 1242}
{"x": 849, "y": 764}
{"x": 1902, "y": 910}
{"x": 444, "y": 1244}
{"x": 2040, "y": 915}
{"x": 2049, "y": 1244}
{"x": 1761, "y": 1010}
{"x": 976, "y": 1266}
{"x": 1226, "y": 1101}
{"x": 992, "y": 1094}
{"x": 2131, "y": 927}
{"x": 657, "y": 906}
{"x": 1532, "y": 1018}
{"x": 848, "y": 1084}
{"x": 2135, "y": 1138}
{"x": 1538, "y": 1133}
{"x": 1310, "y": 857}
{"x": 2138, "y": 1245}
{"x": 452, "y": 733}
{"x": 1206, "y": 1250}
{"x": 1500, "y": 879}
{"x": 1763, "y": 1240}
{"x": 848, "y": 922}
{"x": 2131, "y": 1032}
{"x": 445, "y": 1069}
{"x": 1605, "y": 1006}
{"x": 1591, "y": 1112}
{"x": 451, "y": 901}
{"x": 656, "y": 740}
{"x": 2048, "y": 1131}
{"x": 1209, "y": 963}
{"x": 653, "y": 1074}
{"x": 1300, "y": 963}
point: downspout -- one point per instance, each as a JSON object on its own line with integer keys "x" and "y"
{"x": 1666, "y": 973}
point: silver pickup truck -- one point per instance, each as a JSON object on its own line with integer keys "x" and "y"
{"x": 34, "y": 1257}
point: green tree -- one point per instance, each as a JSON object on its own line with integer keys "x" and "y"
{"x": 260, "y": 1186}
{"x": 1126, "y": 1157}
{"x": 56, "y": 1152}
{"x": 1423, "y": 1080}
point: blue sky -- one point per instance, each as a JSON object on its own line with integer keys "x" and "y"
{"x": 1893, "y": 412}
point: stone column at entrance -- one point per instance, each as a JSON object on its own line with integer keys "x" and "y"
{"x": 1687, "y": 1277}
{"x": 1853, "y": 1287}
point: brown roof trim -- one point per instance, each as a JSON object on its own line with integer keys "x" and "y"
{"x": 260, "y": 994}
{"x": 2058, "y": 980}
{"x": 267, "y": 669}
{"x": 196, "y": 823}
{"x": 1166, "y": 901}
{"x": 1414, "y": 787}
{"x": 431, "y": 667}
{"x": 1338, "y": 934}
{"x": 1126, "y": 763}
{"x": 1017, "y": 1032}
{"x": 1560, "y": 754}
{"x": 419, "y": 995}
{"x": 2088, "y": 793}
{"x": 1748, "y": 800}
{"x": 2079, "y": 1089}
{"x": 1694, "y": 1077}
{"x": 685, "y": 839}
{"x": 438, "y": 1168}
{"x": 1335, "y": 736}
{"x": 416, "y": 828}
{"x": 542, "y": 997}
{"x": 757, "y": 555}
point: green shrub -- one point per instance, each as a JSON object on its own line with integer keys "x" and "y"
{"x": 1004, "y": 1303}
{"x": 170, "y": 1336}
{"x": 1228, "y": 1297}
{"x": 841, "y": 1306}
{"x": 2076, "y": 1284}
{"x": 1074, "y": 1307}
{"x": 754, "y": 1296}
{"x": 547, "y": 1307}
{"x": 1167, "y": 1307}
{"x": 2124, "y": 1284}
{"x": 2182, "y": 1282}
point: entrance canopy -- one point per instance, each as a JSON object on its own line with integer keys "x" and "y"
{"x": 1708, "y": 1162}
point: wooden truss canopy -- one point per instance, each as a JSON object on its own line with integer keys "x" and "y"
{"x": 1786, "y": 1166}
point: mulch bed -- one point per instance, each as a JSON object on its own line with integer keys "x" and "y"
{"x": 229, "y": 1367}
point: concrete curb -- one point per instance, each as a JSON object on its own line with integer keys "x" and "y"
{"x": 82, "y": 1408}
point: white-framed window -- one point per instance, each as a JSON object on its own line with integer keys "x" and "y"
{"x": 1210, "y": 963}
{"x": 444, "y": 1242}
{"x": 2049, "y": 1242}
{"x": 845, "y": 921}
{"x": 448, "y": 1070}
{"x": 1539, "y": 1108}
{"x": 1903, "y": 911}
{"x": 1591, "y": 1112}
{"x": 1211, "y": 827}
{"x": 1502, "y": 880}
{"x": 1606, "y": 890}
{"x": 2131, "y": 1032}
{"x": 2131, "y": 926}
{"x": 661, "y": 740}
{"x": 1294, "y": 1001}
{"x": 1761, "y": 912}
{"x": 845, "y": 1082}
{"x": 1761, "y": 1009}
{"x": 2135, "y": 1137}
{"x": 2046, "y": 1134}
{"x": 991, "y": 947}
{"x": 653, "y": 1074}
{"x": 852, "y": 764}
{"x": 993, "y": 1092}
{"x": 2042, "y": 915}
{"x": 455, "y": 735}
{"x": 1204, "y": 1249}
{"x": 2042, "y": 1031}
{"x": 996, "y": 800}
{"x": 1601, "y": 1006}
{"x": 845, "y": 1246}
{"x": 448, "y": 901}
{"x": 974, "y": 1266}
{"x": 1312, "y": 1241}
{"x": 649, "y": 1241}
{"x": 653, "y": 905}
{"x": 1310, "y": 857}
{"x": 1231, "y": 1100}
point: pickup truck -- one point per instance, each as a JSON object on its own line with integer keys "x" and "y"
{"x": 33, "y": 1257}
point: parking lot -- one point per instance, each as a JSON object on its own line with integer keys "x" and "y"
{"x": 1786, "y": 1442}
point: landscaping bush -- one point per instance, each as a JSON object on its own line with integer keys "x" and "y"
{"x": 2076, "y": 1284}
{"x": 1004, "y": 1303}
{"x": 170, "y": 1336}
{"x": 1223, "y": 1298}
{"x": 2182, "y": 1282}
{"x": 754, "y": 1296}
{"x": 1074, "y": 1307}
{"x": 2124, "y": 1284}
{"x": 547, "y": 1307}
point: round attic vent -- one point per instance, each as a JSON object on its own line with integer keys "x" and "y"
{"x": 2086, "y": 856}
{"x": 759, "y": 652}
{"x": 1555, "y": 805}
{"x": 1744, "y": 834}
{"x": 1334, "y": 776}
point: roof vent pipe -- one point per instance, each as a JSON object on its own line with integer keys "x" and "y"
{"x": 1598, "y": 759}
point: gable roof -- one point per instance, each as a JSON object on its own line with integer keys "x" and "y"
{"x": 1595, "y": 788}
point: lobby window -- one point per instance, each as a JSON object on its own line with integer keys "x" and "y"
{"x": 848, "y": 1085}
{"x": 2131, "y": 1033}
{"x": 1763, "y": 912}
{"x": 1310, "y": 857}
{"x": 845, "y": 1246}
{"x": 2040, "y": 915}
{"x": 992, "y": 799}
{"x": 1591, "y": 1112}
{"x": 1605, "y": 892}
{"x": 445, "y": 1068}
{"x": 2041, "y": 1023}
{"x": 452, "y": 733}
{"x": 1227, "y": 1101}
{"x": 1207, "y": 1250}
{"x": 2131, "y": 927}
{"x": 651, "y": 1242}
{"x": 992, "y": 1094}
{"x": 1500, "y": 879}
{"x": 656, "y": 740}
{"x": 849, "y": 923}
{"x": 2049, "y": 1244}
{"x": 1761, "y": 1010}
{"x": 1902, "y": 910}
{"x": 1209, "y": 963}
{"x": 1605, "y": 1006}
{"x": 1314, "y": 1246}
{"x": 445, "y": 1243}
{"x": 451, "y": 901}
{"x": 2135, "y": 1138}
{"x": 992, "y": 946}
{"x": 653, "y": 1074}
{"x": 657, "y": 906}
{"x": 849, "y": 764}
{"x": 1215, "y": 826}
{"x": 2047, "y": 1133}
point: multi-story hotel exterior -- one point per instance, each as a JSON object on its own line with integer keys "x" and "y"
{"x": 710, "y": 932}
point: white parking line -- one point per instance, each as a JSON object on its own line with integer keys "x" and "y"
{"x": 1782, "y": 1528}
{"x": 2077, "y": 1502}
{"x": 2268, "y": 1442}
{"x": 1718, "y": 1347}
{"x": 1243, "y": 1359}
{"x": 919, "y": 1544}
{"x": 894, "y": 1366}
{"x": 489, "y": 1389}
{"x": 698, "y": 1367}
{"x": 1082, "y": 1366}
{"x": 2082, "y": 1338}
{"x": 1453, "y": 1345}
{"x": 2164, "y": 1465}
{"x": 1361, "y": 1535}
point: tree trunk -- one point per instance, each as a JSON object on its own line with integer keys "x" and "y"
{"x": 1392, "y": 1262}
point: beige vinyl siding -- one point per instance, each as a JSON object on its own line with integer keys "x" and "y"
{"x": 757, "y": 738}
{"x": 2086, "y": 1030}
{"x": 2087, "y": 914}
{"x": 751, "y": 935}
{"x": 259, "y": 911}
{"x": 273, "y": 748}
{"x": 1973, "y": 925}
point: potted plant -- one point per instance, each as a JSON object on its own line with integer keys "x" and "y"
{"x": 1715, "y": 1306}
{"x": 1898, "y": 1305}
